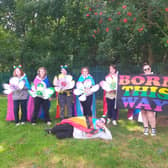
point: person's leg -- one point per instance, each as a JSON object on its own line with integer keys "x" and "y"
{"x": 16, "y": 110}
{"x": 84, "y": 105}
{"x": 37, "y": 103}
{"x": 24, "y": 110}
{"x": 45, "y": 105}
{"x": 89, "y": 105}
{"x": 62, "y": 101}
{"x": 144, "y": 118}
{"x": 114, "y": 112}
{"x": 151, "y": 118}
{"x": 69, "y": 105}
{"x": 145, "y": 122}
{"x": 152, "y": 121}
{"x": 62, "y": 131}
{"x": 109, "y": 108}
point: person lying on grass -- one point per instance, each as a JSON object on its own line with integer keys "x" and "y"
{"x": 81, "y": 128}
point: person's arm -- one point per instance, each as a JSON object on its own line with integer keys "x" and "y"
{"x": 106, "y": 134}
{"x": 55, "y": 81}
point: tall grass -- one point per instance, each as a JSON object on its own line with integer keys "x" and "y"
{"x": 29, "y": 146}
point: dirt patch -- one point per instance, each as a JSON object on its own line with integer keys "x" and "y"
{"x": 27, "y": 164}
{"x": 162, "y": 121}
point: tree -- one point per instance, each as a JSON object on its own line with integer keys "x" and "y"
{"x": 129, "y": 31}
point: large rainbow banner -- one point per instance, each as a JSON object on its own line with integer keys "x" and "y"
{"x": 148, "y": 92}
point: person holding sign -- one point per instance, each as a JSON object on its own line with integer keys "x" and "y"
{"x": 148, "y": 117}
{"x": 17, "y": 91}
{"x": 110, "y": 92}
{"x": 85, "y": 94}
{"x": 41, "y": 91}
{"x": 64, "y": 84}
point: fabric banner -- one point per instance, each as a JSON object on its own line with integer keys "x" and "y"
{"x": 147, "y": 92}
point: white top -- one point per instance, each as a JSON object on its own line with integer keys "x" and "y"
{"x": 106, "y": 134}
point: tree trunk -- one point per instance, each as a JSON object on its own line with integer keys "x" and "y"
{"x": 150, "y": 54}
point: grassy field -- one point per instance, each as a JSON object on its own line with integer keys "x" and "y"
{"x": 29, "y": 146}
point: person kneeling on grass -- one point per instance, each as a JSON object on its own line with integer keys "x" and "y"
{"x": 81, "y": 128}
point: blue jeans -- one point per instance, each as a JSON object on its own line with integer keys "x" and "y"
{"x": 23, "y": 104}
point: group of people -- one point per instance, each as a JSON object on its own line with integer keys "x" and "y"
{"x": 79, "y": 98}
{"x": 18, "y": 95}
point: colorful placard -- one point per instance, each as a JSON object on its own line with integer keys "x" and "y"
{"x": 147, "y": 92}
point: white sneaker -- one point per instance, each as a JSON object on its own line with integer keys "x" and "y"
{"x": 17, "y": 124}
{"x": 153, "y": 132}
{"x": 48, "y": 123}
{"x": 22, "y": 123}
{"x": 33, "y": 123}
{"x": 114, "y": 122}
{"x": 146, "y": 131}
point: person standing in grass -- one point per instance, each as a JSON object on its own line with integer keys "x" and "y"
{"x": 64, "y": 84}
{"x": 110, "y": 92}
{"x": 19, "y": 86}
{"x": 41, "y": 81}
{"x": 148, "y": 117}
{"x": 86, "y": 107}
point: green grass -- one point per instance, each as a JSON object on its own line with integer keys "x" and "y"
{"x": 29, "y": 146}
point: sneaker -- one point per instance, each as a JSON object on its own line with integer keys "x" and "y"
{"x": 114, "y": 122}
{"x": 48, "y": 131}
{"x": 22, "y": 123}
{"x": 33, "y": 123}
{"x": 146, "y": 131}
{"x": 48, "y": 122}
{"x": 153, "y": 132}
{"x": 17, "y": 124}
{"x": 108, "y": 120}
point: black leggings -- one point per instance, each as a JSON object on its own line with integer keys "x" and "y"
{"x": 45, "y": 104}
{"x": 112, "y": 111}
{"x": 87, "y": 106}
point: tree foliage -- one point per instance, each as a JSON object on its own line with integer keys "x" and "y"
{"x": 92, "y": 32}
{"x": 130, "y": 31}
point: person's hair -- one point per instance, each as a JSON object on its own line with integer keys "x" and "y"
{"x": 14, "y": 72}
{"x": 66, "y": 68}
{"x": 38, "y": 71}
{"x": 145, "y": 64}
{"x": 114, "y": 66}
{"x": 85, "y": 68}
{"x": 104, "y": 119}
